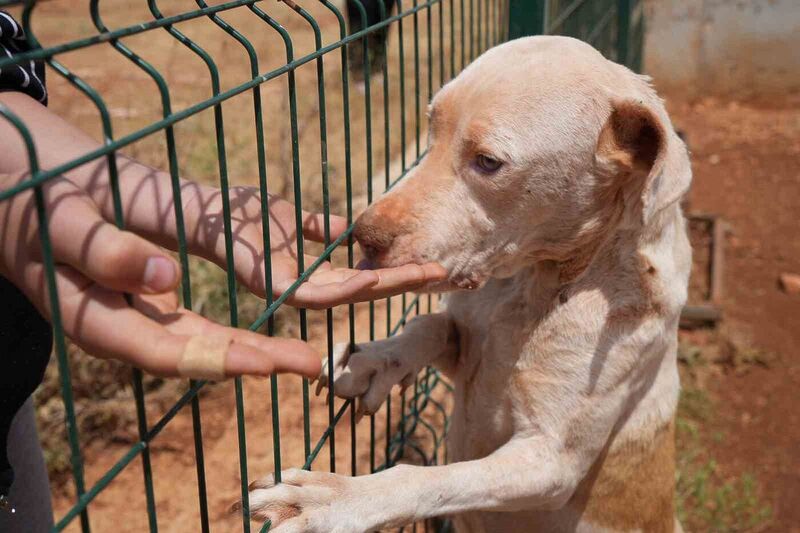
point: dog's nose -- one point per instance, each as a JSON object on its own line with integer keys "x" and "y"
{"x": 373, "y": 236}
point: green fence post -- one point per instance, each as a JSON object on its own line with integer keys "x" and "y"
{"x": 623, "y": 30}
{"x": 526, "y": 17}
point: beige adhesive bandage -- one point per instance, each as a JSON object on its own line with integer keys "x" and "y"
{"x": 204, "y": 357}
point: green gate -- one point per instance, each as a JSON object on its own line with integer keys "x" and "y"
{"x": 427, "y": 44}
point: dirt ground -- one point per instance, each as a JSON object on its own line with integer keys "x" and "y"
{"x": 746, "y": 163}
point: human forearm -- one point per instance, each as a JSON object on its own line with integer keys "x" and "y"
{"x": 146, "y": 193}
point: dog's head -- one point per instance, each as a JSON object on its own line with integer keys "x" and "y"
{"x": 536, "y": 152}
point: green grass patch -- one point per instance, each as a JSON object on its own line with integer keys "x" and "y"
{"x": 706, "y": 499}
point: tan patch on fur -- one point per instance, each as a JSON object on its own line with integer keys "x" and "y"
{"x": 647, "y": 281}
{"x": 632, "y": 488}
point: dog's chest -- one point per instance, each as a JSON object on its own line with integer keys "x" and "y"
{"x": 495, "y": 328}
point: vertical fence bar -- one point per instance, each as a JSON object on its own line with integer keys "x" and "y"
{"x": 387, "y": 178}
{"x": 273, "y": 380}
{"x": 452, "y": 39}
{"x": 495, "y": 24}
{"x": 76, "y": 458}
{"x": 387, "y": 145}
{"x": 323, "y": 132}
{"x": 401, "y": 57}
{"x": 487, "y": 36}
{"x": 416, "y": 81}
{"x": 499, "y": 21}
{"x": 472, "y": 30}
{"x": 526, "y": 17}
{"x": 402, "y": 68}
{"x": 441, "y": 45}
{"x": 138, "y": 389}
{"x": 296, "y": 180}
{"x": 430, "y": 51}
{"x": 141, "y": 418}
{"x": 349, "y": 209}
{"x": 262, "y": 175}
{"x": 60, "y": 345}
{"x": 636, "y": 36}
{"x": 490, "y": 9}
{"x": 178, "y": 209}
{"x": 55, "y": 317}
{"x": 623, "y": 31}
{"x": 265, "y": 220}
{"x": 219, "y": 127}
{"x": 368, "y": 140}
{"x": 479, "y": 18}
{"x": 463, "y": 33}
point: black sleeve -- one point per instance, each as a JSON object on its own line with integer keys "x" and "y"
{"x": 27, "y": 77}
{"x": 25, "y": 337}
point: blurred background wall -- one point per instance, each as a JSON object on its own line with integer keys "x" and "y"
{"x": 746, "y": 49}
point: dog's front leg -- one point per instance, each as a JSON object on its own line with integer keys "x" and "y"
{"x": 523, "y": 474}
{"x": 369, "y": 371}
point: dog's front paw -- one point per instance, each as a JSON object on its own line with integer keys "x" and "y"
{"x": 367, "y": 372}
{"x": 306, "y": 502}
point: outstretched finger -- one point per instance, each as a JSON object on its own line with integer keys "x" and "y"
{"x": 314, "y": 226}
{"x": 249, "y": 353}
{"x": 314, "y": 295}
{"x": 343, "y": 285}
{"x": 409, "y": 275}
{"x": 401, "y": 279}
{"x": 261, "y": 355}
{"x": 163, "y": 342}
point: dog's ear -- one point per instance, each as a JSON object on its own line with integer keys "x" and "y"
{"x": 639, "y": 155}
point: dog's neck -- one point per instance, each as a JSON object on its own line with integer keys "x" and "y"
{"x": 633, "y": 255}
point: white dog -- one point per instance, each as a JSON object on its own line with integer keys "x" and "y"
{"x": 550, "y": 192}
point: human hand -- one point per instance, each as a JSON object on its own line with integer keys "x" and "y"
{"x": 326, "y": 287}
{"x": 96, "y": 264}
{"x": 148, "y": 207}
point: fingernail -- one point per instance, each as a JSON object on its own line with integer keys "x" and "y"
{"x": 159, "y": 274}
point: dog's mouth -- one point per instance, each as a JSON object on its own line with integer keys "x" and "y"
{"x": 468, "y": 282}
{"x": 367, "y": 264}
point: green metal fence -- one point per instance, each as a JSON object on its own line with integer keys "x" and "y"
{"x": 615, "y": 27}
{"x": 443, "y": 36}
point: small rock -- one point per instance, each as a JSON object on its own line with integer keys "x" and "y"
{"x": 790, "y": 283}
{"x": 713, "y": 159}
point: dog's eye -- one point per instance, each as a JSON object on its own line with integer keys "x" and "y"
{"x": 488, "y": 164}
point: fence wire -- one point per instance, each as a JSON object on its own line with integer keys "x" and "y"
{"x": 384, "y": 60}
